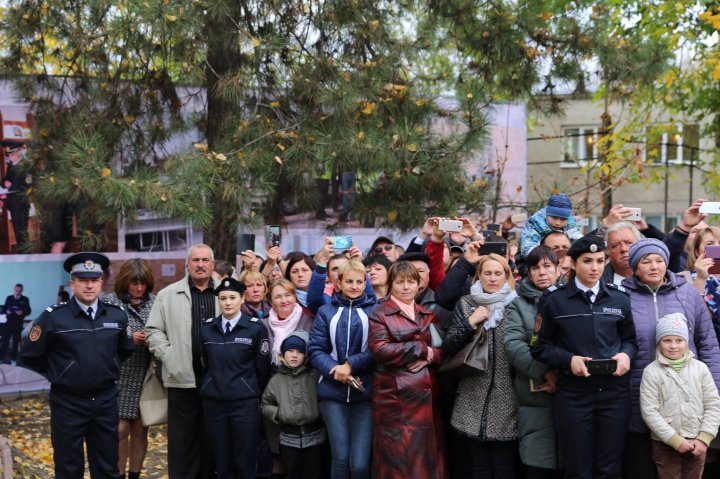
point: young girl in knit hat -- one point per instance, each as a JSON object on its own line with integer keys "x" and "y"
{"x": 679, "y": 403}
{"x": 555, "y": 217}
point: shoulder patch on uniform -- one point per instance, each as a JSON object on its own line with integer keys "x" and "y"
{"x": 112, "y": 305}
{"x": 264, "y": 346}
{"x": 538, "y": 323}
{"x": 618, "y": 287}
{"x": 209, "y": 320}
{"x": 55, "y": 306}
{"x": 552, "y": 288}
{"x": 35, "y": 333}
{"x": 253, "y": 320}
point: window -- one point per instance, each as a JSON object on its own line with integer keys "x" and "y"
{"x": 580, "y": 144}
{"x": 672, "y": 143}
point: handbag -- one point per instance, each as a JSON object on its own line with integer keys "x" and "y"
{"x": 471, "y": 359}
{"x": 153, "y": 399}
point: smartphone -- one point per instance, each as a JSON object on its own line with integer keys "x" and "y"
{"x": 341, "y": 243}
{"x": 713, "y": 251}
{"x": 710, "y": 208}
{"x": 451, "y": 226}
{"x": 583, "y": 222}
{"x": 244, "y": 242}
{"x": 493, "y": 227}
{"x": 535, "y": 387}
{"x": 635, "y": 214}
{"x": 601, "y": 367}
{"x": 494, "y": 247}
{"x": 272, "y": 233}
{"x": 518, "y": 218}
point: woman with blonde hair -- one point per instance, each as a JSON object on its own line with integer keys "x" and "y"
{"x": 486, "y": 405}
{"x": 133, "y": 292}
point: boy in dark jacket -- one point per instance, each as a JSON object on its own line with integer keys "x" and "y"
{"x": 290, "y": 400}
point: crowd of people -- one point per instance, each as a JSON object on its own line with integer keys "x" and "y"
{"x": 594, "y": 356}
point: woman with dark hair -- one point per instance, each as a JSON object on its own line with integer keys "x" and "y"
{"x": 534, "y": 381}
{"x": 485, "y": 408}
{"x": 298, "y": 271}
{"x": 133, "y": 292}
{"x": 377, "y": 267}
{"x": 407, "y": 418}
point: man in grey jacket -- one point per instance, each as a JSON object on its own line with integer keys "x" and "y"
{"x": 173, "y": 335}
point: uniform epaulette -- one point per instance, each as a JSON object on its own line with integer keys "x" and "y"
{"x": 552, "y": 288}
{"x": 116, "y": 306}
{"x": 209, "y": 320}
{"x": 618, "y": 287}
{"x": 55, "y": 306}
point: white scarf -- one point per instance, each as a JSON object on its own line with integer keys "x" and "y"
{"x": 494, "y": 302}
{"x": 282, "y": 328}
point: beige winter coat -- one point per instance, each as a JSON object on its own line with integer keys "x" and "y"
{"x": 677, "y": 406}
{"x": 169, "y": 334}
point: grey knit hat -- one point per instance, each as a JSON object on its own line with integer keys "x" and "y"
{"x": 645, "y": 247}
{"x": 673, "y": 324}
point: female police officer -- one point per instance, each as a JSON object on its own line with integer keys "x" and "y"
{"x": 236, "y": 357}
{"x": 585, "y": 329}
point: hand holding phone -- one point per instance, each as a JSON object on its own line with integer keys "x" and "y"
{"x": 635, "y": 214}
{"x": 450, "y": 226}
{"x": 272, "y": 233}
{"x": 710, "y": 208}
{"x": 713, "y": 251}
{"x": 601, "y": 367}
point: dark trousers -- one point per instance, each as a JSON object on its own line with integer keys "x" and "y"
{"x": 592, "y": 423}
{"x": 493, "y": 459}
{"x": 672, "y": 464}
{"x": 188, "y": 455}
{"x": 13, "y": 330}
{"x": 542, "y": 473}
{"x": 92, "y": 419}
{"x": 306, "y": 463}
{"x": 233, "y": 433}
{"x": 638, "y": 461}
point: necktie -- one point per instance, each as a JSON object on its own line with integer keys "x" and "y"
{"x": 589, "y": 293}
{"x": 227, "y": 328}
{"x": 90, "y": 312}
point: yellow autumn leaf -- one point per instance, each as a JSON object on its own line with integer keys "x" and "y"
{"x": 373, "y": 24}
{"x": 201, "y": 147}
{"x": 274, "y": 104}
{"x": 360, "y": 135}
{"x": 44, "y": 132}
{"x": 281, "y": 146}
{"x": 255, "y": 42}
{"x": 105, "y": 172}
{"x": 163, "y": 197}
{"x": 420, "y": 102}
{"x": 419, "y": 130}
{"x": 716, "y": 72}
{"x": 221, "y": 157}
{"x": 392, "y": 215}
{"x": 278, "y": 160}
{"x": 412, "y": 148}
{"x": 368, "y": 108}
{"x": 129, "y": 119}
{"x": 170, "y": 18}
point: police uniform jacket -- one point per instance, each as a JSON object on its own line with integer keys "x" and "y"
{"x": 236, "y": 366}
{"x": 79, "y": 355}
{"x": 568, "y": 325}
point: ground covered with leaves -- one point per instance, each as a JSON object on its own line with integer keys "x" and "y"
{"x": 26, "y": 424}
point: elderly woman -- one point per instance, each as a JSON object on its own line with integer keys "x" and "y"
{"x": 133, "y": 292}
{"x": 486, "y": 405}
{"x": 406, "y": 390}
{"x": 286, "y": 315}
{"x": 534, "y": 381}
{"x": 655, "y": 292}
{"x": 707, "y": 283}
{"x": 298, "y": 271}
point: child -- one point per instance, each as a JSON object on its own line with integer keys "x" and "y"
{"x": 556, "y": 216}
{"x": 290, "y": 400}
{"x": 679, "y": 403}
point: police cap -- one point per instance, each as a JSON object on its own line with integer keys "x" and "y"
{"x": 587, "y": 244}
{"x": 86, "y": 264}
{"x": 229, "y": 284}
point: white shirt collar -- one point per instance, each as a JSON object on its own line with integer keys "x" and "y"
{"x": 232, "y": 321}
{"x": 85, "y": 307}
{"x": 595, "y": 289}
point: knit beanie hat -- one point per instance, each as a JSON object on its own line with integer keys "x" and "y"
{"x": 293, "y": 342}
{"x": 645, "y": 247}
{"x": 673, "y": 324}
{"x": 559, "y": 205}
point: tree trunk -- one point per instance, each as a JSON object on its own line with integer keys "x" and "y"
{"x": 605, "y": 178}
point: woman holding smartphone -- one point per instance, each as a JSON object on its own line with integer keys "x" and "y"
{"x": 705, "y": 276}
{"x": 585, "y": 329}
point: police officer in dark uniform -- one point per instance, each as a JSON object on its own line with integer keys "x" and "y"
{"x": 78, "y": 345}
{"x": 578, "y": 324}
{"x": 236, "y": 360}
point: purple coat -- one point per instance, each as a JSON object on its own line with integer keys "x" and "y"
{"x": 675, "y": 296}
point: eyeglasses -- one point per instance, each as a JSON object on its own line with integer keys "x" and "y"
{"x": 387, "y": 247}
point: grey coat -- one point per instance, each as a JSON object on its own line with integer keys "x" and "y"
{"x": 486, "y": 405}
{"x": 536, "y": 424}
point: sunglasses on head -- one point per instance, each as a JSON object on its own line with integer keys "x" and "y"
{"x": 387, "y": 247}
